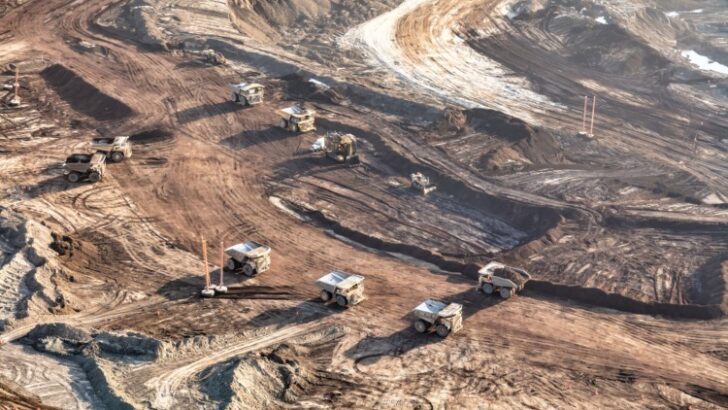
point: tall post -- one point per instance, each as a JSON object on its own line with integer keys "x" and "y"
{"x": 583, "y": 117}
{"x": 222, "y": 262}
{"x": 16, "y": 86}
{"x": 205, "y": 268}
{"x": 594, "y": 106}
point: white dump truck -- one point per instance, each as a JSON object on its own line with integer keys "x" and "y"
{"x": 421, "y": 183}
{"x": 247, "y": 93}
{"x": 506, "y": 280}
{"x": 444, "y": 318}
{"x": 116, "y": 148}
{"x": 297, "y": 119}
{"x": 346, "y": 288}
{"x": 252, "y": 257}
{"x": 89, "y": 167}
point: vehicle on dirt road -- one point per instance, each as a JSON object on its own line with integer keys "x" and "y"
{"x": 247, "y": 93}
{"x": 252, "y": 257}
{"x": 347, "y": 289}
{"x": 297, "y": 119}
{"x": 506, "y": 280}
{"x": 84, "y": 167}
{"x": 340, "y": 147}
{"x": 421, "y": 183}
{"x": 116, "y": 149}
{"x": 442, "y": 317}
{"x": 213, "y": 57}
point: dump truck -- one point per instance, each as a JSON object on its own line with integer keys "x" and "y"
{"x": 213, "y": 57}
{"x": 89, "y": 167}
{"x": 421, "y": 183}
{"x": 346, "y": 288}
{"x": 247, "y": 93}
{"x": 252, "y": 257}
{"x": 506, "y": 280}
{"x": 443, "y": 317}
{"x": 297, "y": 119}
{"x": 339, "y": 146}
{"x": 115, "y": 148}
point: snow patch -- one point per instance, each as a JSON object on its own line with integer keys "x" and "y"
{"x": 703, "y": 62}
{"x": 601, "y": 20}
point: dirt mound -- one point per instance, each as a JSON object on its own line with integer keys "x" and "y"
{"x": 28, "y": 270}
{"x": 15, "y": 397}
{"x": 84, "y": 97}
{"x": 151, "y": 136}
{"x": 300, "y": 88}
{"x": 261, "y": 380}
{"x": 507, "y": 142}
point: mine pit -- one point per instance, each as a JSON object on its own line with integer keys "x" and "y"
{"x": 380, "y": 204}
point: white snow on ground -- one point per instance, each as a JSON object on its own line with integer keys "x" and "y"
{"x": 449, "y": 68}
{"x": 704, "y": 63}
{"x": 601, "y": 20}
{"x": 677, "y": 13}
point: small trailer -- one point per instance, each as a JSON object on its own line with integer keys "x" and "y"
{"x": 506, "y": 280}
{"x": 346, "y": 288}
{"x": 116, "y": 148}
{"x": 444, "y": 318}
{"x": 247, "y": 93}
{"x": 252, "y": 257}
{"x": 88, "y": 167}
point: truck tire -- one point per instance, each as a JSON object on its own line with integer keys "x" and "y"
{"x": 248, "y": 269}
{"x": 231, "y": 265}
{"x": 421, "y": 326}
{"x": 283, "y": 124}
{"x": 341, "y": 300}
{"x": 94, "y": 176}
{"x": 117, "y": 156}
{"x": 73, "y": 177}
{"x": 487, "y": 288}
{"x": 236, "y": 98}
{"x": 505, "y": 293}
{"x": 326, "y": 295}
{"x": 442, "y": 330}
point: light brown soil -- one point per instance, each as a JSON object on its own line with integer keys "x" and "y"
{"x": 626, "y": 309}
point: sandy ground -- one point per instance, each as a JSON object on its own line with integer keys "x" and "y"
{"x": 625, "y": 234}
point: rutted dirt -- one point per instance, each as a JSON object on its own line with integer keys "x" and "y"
{"x": 624, "y": 234}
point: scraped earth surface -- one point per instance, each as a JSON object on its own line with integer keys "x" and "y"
{"x": 625, "y": 234}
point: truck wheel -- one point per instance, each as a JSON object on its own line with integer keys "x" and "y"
{"x": 231, "y": 265}
{"x": 117, "y": 156}
{"x": 442, "y": 330}
{"x": 421, "y": 326}
{"x": 283, "y": 124}
{"x": 326, "y": 295}
{"x": 341, "y": 300}
{"x": 487, "y": 288}
{"x": 94, "y": 177}
{"x": 236, "y": 98}
{"x": 248, "y": 269}
{"x": 505, "y": 293}
{"x": 73, "y": 177}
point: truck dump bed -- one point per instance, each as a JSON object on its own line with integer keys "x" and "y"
{"x": 248, "y": 249}
{"x": 432, "y": 309}
{"x": 342, "y": 280}
{"x": 107, "y": 142}
{"x": 518, "y": 276}
{"x": 86, "y": 159}
{"x": 296, "y": 111}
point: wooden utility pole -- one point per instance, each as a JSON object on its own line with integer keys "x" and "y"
{"x": 594, "y": 107}
{"x": 222, "y": 262}
{"x": 206, "y": 269}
